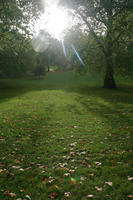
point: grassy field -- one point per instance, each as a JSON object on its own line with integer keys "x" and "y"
{"x": 65, "y": 137}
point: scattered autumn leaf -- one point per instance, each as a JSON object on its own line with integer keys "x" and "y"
{"x": 1, "y": 170}
{"x": 12, "y": 194}
{"x": 72, "y": 153}
{"x": 90, "y": 195}
{"x": 67, "y": 174}
{"x": 73, "y": 144}
{"x": 53, "y": 195}
{"x": 73, "y": 181}
{"x": 28, "y": 197}
{"x": 91, "y": 174}
{"x": 56, "y": 186}
{"x": 98, "y": 163}
{"x": 98, "y": 189}
{"x": 87, "y": 165}
{"x": 109, "y": 183}
{"x": 102, "y": 150}
{"x": 130, "y": 196}
{"x": 67, "y": 194}
{"x": 130, "y": 178}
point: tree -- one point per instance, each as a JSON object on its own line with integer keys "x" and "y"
{"x": 15, "y": 48}
{"x": 123, "y": 48}
{"x": 49, "y": 50}
{"x": 88, "y": 50}
{"x": 39, "y": 71}
{"x": 103, "y": 17}
{"x": 17, "y": 56}
{"x": 16, "y": 14}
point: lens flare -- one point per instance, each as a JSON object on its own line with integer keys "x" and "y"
{"x": 63, "y": 46}
{"x": 41, "y": 42}
{"x": 78, "y": 56}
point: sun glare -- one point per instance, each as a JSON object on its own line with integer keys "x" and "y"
{"x": 55, "y": 20}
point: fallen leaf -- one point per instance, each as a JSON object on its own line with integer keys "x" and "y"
{"x": 130, "y": 196}
{"x": 91, "y": 174}
{"x": 72, "y": 170}
{"x": 28, "y": 197}
{"x": 102, "y": 150}
{"x": 67, "y": 194}
{"x": 53, "y": 195}
{"x": 10, "y": 174}
{"x": 21, "y": 190}
{"x": 72, "y": 153}
{"x": 56, "y": 186}
{"x": 90, "y": 195}
{"x": 82, "y": 178}
{"x": 73, "y": 144}
{"x": 1, "y": 170}
{"x": 74, "y": 126}
{"x": 98, "y": 189}
{"x": 98, "y": 163}
{"x": 109, "y": 183}
{"x": 71, "y": 136}
{"x": 87, "y": 165}
{"x": 11, "y": 194}
{"x": 73, "y": 181}
{"x": 130, "y": 178}
{"x": 67, "y": 174}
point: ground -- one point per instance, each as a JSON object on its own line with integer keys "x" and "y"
{"x": 66, "y": 137}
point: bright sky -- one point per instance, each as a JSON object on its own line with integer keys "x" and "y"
{"x": 55, "y": 19}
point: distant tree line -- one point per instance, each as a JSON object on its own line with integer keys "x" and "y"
{"x": 103, "y": 38}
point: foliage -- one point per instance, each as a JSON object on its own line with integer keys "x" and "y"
{"x": 39, "y": 71}
{"x": 88, "y": 51}
{"x": 16, "y": 54}
{"x": 16, "y": 14}
{"x": 102, "y": 18}
{"x": 50, "y": 51}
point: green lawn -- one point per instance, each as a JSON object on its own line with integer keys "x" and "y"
{"x": 65, "y": 137}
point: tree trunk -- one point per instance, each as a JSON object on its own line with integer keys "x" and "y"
{"x": 109, "y": 81}
{"x": 48, "y": 68}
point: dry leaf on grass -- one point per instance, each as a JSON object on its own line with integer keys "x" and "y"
{"x": 130, "y": 178}
{"x": 109, "y": 183}
{"x": 90, "y": 195}
{"x": 98, "y": 189}
{"x": 67, "y": 194}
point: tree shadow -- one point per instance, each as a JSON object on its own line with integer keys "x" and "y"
{"x": 94, "y": 98}
{"x": 113, "y": 107}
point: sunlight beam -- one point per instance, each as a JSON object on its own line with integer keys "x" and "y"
{"x": 63, "y": 46}
{"x": 78, "y": 56}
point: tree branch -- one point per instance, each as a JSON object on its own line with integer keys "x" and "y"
{"x": 92, "y": 32}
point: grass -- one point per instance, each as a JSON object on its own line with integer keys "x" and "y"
{"x": 65, "y": 137}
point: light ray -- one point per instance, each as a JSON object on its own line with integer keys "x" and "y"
{"x": 63, "y": 46}
{"x": 78, "y": 56}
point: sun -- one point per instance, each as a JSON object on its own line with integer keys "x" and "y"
{"x": 55, "y": 20}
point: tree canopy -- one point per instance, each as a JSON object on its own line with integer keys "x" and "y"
{"x": 15, "y": 47}
{"x": 106, "y": 18}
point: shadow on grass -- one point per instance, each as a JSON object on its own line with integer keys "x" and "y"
{"x": 116, "y": 105}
